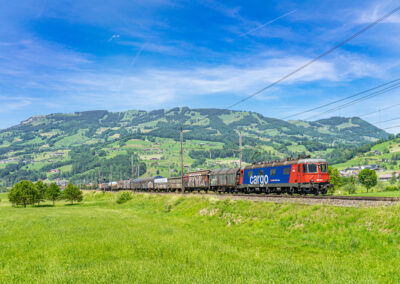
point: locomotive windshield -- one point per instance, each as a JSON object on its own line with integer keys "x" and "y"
{"x": 310, "y": 168}
{"x": 323, "y": 168}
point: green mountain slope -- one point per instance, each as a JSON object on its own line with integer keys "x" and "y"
{"x": 84, "y": 145}
{"x": 385, "y": 154}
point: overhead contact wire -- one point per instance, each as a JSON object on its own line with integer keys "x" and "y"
{"x": 316, "y": 58}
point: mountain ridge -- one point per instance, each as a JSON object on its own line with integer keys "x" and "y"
{"x": 133, "y": 132}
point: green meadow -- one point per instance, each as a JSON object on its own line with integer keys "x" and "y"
{"x": 175, "y": 239}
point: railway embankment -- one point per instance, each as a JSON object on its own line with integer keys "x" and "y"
{"x": 343, "y": 201}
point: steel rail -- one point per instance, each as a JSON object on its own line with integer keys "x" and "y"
{"x": 263, "y": 195}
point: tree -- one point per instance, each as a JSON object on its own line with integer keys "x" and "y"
{"x": 72, "y": 193}
{"x": 334, "y": 177}
{"x": 53, "y": 192}
{"x": 368, "y": 178}
{"x": 393, "y": 179}
{"x": 42, "y": 188}
{"x": 23, "y": 193}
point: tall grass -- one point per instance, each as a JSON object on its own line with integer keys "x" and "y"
{"x": 164, "y": 239}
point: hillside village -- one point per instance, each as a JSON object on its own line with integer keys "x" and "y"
{"x": 384, "y": 158}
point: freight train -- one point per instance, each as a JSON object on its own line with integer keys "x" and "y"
{"x": 301, "y": 175}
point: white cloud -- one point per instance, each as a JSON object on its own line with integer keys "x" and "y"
{"x": 378, "y": 10}
{"x": 113, "y": 37}
{"x": 9, "y": 104}
{"x": 27, "y": 53}
{"x": 153, "y": 87}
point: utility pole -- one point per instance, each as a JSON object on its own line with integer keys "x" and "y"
{"x": 183, "y": 186}
{"x": 240, "y": 149}
{"x": 111, "y": 175}
{"x": 132, "y": 165}
{"x": 98, "y": 177}
{"x": 132, "y": 172}
{"x": 138, "y": 170}
{"x": 169, "y": 165}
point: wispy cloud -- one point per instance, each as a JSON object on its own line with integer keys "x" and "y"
{"x": 266, "y": 24}
{"x": 30, "y": 52}
{"x": 133, "y": 61}
{"x": 9, "y": 104}
{"x": 228, "y": 11}
{"x": 376, "y": 11}
{"x": 168, "y": 49}
{"x": 113, "y": 37}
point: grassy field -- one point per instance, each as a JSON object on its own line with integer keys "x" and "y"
{"x": 173, "y": 239}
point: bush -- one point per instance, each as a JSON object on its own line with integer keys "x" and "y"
{"x": 331, "y": 190}
{"x": 124, "y": 197}
{"x": 347, "y": 180}
{"x": 391, "y": 188}
{"x": 350, "y": 188}
{"x": 380, "y": 186}
{"x": 3, "y": 189}
{"x": 335, "y": 179}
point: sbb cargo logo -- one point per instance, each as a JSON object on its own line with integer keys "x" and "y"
{"x": 259, "y": 179}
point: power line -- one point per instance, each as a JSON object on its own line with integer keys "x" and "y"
{"x": 397, "y": 118}
{"x": 316, "y": 58}
{"x": 374, "y": 94}
{"x": 382, "y": 109}
{"x": 340, "y": 100}
{"x": 396, "y": 126}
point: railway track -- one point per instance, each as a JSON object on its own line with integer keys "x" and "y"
{"x": 331, "y": 197}
{"x": 343, "y": 201}
{"x": 353, "y": 201}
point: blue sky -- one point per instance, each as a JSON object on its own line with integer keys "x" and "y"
{"x": 66, "y": 56}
